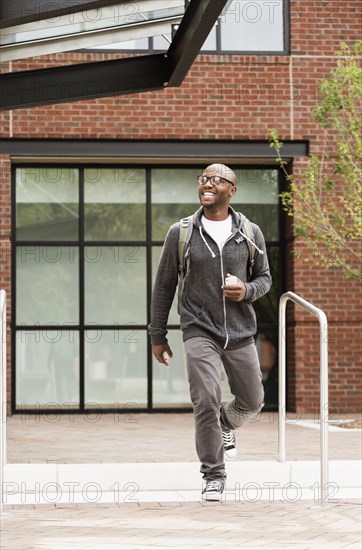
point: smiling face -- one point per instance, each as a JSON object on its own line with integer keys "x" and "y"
{"x": 216, "y": 196}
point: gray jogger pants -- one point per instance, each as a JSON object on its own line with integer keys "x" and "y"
{"x": 203, "y": 358}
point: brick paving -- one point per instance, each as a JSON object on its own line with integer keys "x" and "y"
{"x": 159, "y": 438}
{"x": 277, "y": 525}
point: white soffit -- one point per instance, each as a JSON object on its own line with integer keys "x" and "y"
{"x": 91, "y": 28}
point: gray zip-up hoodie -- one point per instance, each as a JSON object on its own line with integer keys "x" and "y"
{"x": 203, "y": 309}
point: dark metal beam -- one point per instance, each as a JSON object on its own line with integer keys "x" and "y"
{"x": 152, "y": 149}
{"x": 18, "y": 12}
{"x": 24, "y": 89}
{"x": 200, "y": 17}
{"x": 83, "y": 81}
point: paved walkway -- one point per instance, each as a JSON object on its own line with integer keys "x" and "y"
{"x": 135, "y": 437}
{"x": 275, "y": 524}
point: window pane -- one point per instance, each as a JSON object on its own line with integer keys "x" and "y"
{"x": 210, "y": 42}
{"x": 170, "y": 385}
{"x": 116, "y": 367}
{"x": 47, "y": 369}
{"x": 266, "y": 307}
{"x": 47, "y": 285}
{"x": 253, "y": 26}
{"x": 174, "y": 196}
{"x": 115, "y": 204}
{"x": 257, "y": 186}
{"x": 257, "y": 198}
{"x": 47, "y": 204}
{"x": 115, "y": 284}
{"x": 174, "y": 318}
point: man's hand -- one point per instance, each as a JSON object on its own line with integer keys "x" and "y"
{"x": 235, "y": 293}
{"x": 159, "y": 350}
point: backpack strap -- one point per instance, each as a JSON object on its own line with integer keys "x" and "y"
{"x": 248, "y": 230}
{"x": 186, "y": 227}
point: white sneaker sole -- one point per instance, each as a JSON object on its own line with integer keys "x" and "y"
{"x": 212, "y": 496}
{"x": 231, "y": 454}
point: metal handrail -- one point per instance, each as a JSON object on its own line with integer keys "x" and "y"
{"x": 323, "y": 415}
{"x": 3, "y": 393}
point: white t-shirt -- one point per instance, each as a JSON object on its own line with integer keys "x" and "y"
{"x": 220, "y": 231}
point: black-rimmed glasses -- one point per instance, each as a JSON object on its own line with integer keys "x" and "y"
{"x": 217, "y": 180}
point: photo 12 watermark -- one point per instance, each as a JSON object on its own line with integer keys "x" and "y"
{"x": 275, "y": 491}
{"x": 69, "y": 492}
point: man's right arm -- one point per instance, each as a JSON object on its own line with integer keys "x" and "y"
{"x": 164, "y": 287}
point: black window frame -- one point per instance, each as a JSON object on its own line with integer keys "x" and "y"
{"x": 149, "y": 243}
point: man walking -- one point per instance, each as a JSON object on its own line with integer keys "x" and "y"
{"x": 217, "y": 319}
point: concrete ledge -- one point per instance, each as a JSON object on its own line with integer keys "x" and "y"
{"x": 176, "y": 481}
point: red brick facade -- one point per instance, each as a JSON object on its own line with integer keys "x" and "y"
{"x": 233, "y": 97}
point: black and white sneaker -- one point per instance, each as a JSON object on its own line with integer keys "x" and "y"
{"x": 213, "y": 490}
{"x": 229, "y": 440}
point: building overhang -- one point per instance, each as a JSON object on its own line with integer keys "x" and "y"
{"x": 118, "y": 151}
{"x": 30, "y": 88}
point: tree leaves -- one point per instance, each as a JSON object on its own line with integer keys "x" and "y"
{"x": 326, "y": 198}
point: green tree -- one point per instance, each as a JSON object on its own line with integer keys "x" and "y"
{"x": 326, "y": 198}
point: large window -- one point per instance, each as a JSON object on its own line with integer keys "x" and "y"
{"x": 87, "y": 241}
{"x": 245, "y": 26}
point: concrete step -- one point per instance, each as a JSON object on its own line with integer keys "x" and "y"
{"x": 249, "y": 481}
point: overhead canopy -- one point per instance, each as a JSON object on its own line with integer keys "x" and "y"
{"x": 88, "y": 27}
{"x": 30, "y": 28}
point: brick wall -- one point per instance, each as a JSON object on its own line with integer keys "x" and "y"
{"x": 234, "y": 97}
{"x": 340, "y": 300}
